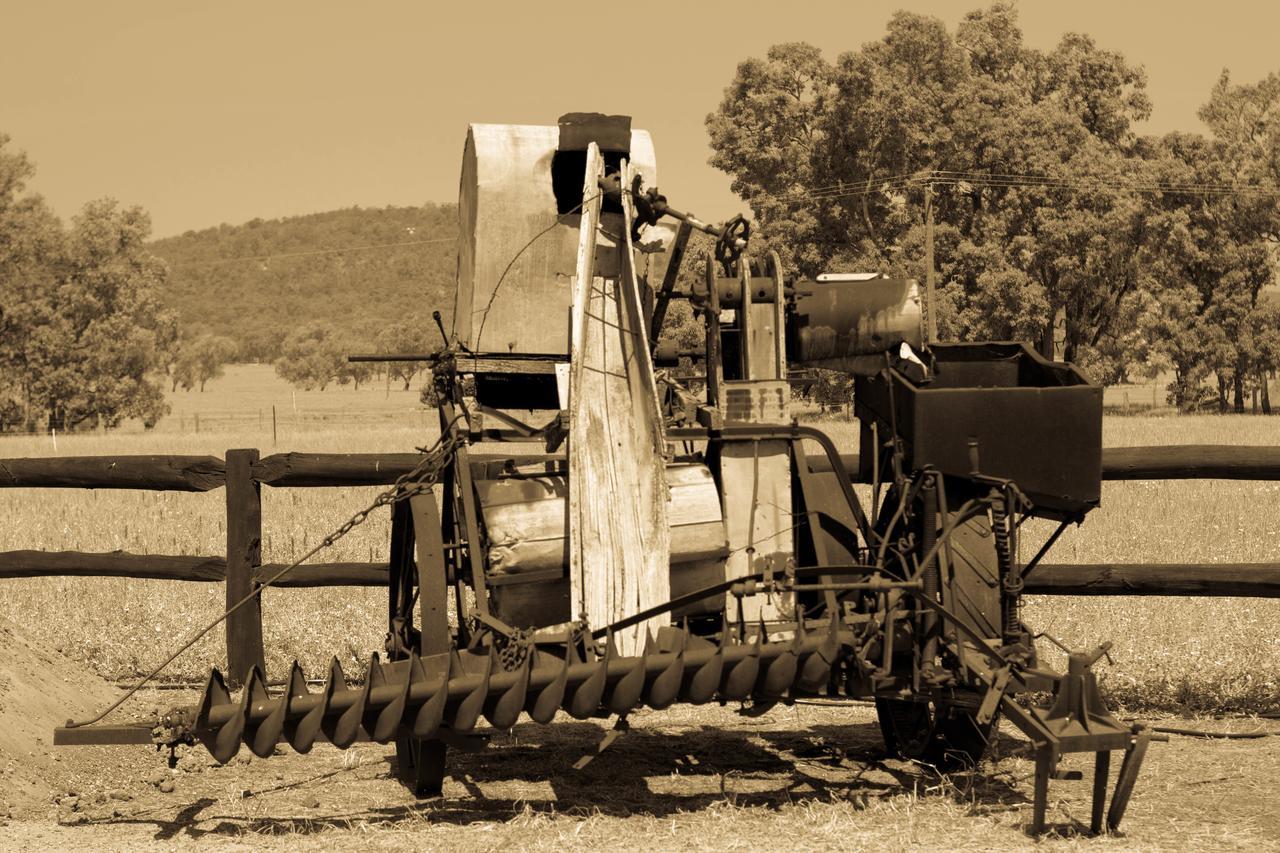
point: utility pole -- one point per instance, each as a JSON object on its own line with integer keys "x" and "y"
{"x": 930, "y": 277}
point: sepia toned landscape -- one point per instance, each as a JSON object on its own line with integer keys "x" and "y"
{"x": 391, "y": 458}
{"x": 809, "y": 770}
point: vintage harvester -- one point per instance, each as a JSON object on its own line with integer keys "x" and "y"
{"x": 674, "y": 535}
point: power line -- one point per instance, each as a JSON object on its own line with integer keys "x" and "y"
{"x": 993, "y": 180}
{"x": 1027, "y": 180}
{"x": 339, "y": 250}
{"x": 844, "y": 189}
{"x": 891, "y": 183}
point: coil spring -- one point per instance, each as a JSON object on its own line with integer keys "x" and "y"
{"x": 1010, "y": 583}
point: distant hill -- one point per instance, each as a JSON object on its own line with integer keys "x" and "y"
{"x": 256, "y": 281}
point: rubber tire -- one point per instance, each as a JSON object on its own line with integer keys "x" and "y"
{"x": 944, "y": 737}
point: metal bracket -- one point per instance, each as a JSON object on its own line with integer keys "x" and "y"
{"x": 991, "y": 701}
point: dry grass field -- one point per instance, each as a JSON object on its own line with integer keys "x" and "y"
{"x": 808, "y": 776}
{"x": 1195, "y": 655}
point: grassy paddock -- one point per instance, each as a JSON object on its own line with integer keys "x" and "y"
{"x": 1196, "y": 654}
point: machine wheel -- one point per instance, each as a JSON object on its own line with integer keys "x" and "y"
{"x": 940, "y": 735}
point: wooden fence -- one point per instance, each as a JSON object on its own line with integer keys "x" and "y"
{"x": 243, "y": 473}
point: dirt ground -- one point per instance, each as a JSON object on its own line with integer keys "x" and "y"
{"x": 39, "y": 689}
{"x": 811, "y": 777}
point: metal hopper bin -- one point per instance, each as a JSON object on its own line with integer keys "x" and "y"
{"x": 984, "y": 411}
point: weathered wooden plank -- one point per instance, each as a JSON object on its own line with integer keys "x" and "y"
{"x": 587, "y": 527}
{"x": 619, "y": 554}
{"x": 756, "y": 476}
{"x": 244, "y": 555}
{"x": 325, "y": 574}
{"x": 1218, "y": 579}
{"x": 1118, "y": 463}
{"x": 122, "y": 564}
{"x": 333, "y": 469}
{"x": 113, "y": 564}
{"x": 648, "y": 493}
{"x": 204, "y": 473}
{"x": 151, "y": 472}
{"x": 1191, "y": 462}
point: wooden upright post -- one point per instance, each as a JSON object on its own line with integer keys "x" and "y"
{"x": 421, "y": 762}
{"x": 244, "y": 554}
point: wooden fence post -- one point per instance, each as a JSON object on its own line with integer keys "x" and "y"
{"x": 244, "y": 553}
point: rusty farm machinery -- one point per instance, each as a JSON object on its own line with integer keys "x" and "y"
{"x": 665, "y": 535}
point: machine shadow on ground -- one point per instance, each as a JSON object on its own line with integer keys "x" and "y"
{"x": 654, "y": 772}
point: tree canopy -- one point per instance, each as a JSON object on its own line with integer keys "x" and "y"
{"x": 1050, "y": 209}
{"x": 83, "y": 337}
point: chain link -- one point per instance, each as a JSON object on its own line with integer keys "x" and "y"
{"x": 414, "y": 482}
{"x": 411, "y": 484}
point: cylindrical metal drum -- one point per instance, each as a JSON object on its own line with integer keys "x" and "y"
{"x": 524, "y": 520}
{"x": 839, "y": 320}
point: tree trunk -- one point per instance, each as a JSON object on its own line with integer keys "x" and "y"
{"x": 1222, "y": 393}
{"x": 1045, "y": 344}
{"x": 1266, "y": 392}
{"x": 1237, "y": 392}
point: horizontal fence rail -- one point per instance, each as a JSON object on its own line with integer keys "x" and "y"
{"x": 1252, "y": 580}
{"x": 1246, "y": 580}
{"x": 122, "y": 564}
{"x": 205, "y": 473}
{"x": 242, "y": 474}
{"x": 152, "y": 473}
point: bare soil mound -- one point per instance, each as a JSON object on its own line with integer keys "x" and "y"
{"x": 39, "y": 690}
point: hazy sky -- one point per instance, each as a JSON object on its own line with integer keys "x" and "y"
{"x": 219, "y": 112}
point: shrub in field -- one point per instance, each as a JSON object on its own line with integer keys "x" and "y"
{"x": 200, "y": 360}
{"x": 312, "y": 357}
